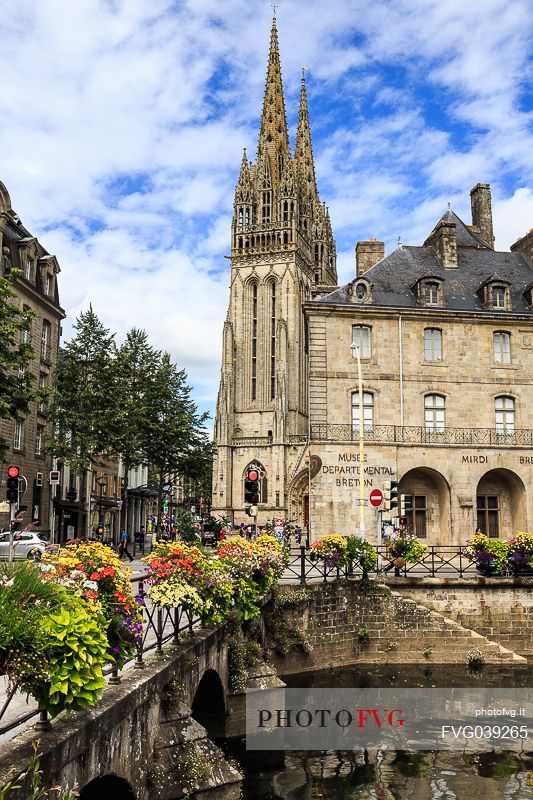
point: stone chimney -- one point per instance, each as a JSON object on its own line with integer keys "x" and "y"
{"x": 524, "y": 247}
{"x": 367, "y": 254}
{"x": 482, "y": 212}
{"x": 444, "y": 240}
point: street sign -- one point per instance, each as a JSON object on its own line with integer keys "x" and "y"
{"x": 253, "y": 511}
{"x": 54, "y": 476}
{"x": 279, "y": 523}
{"x": 167, "y": 488}
{"x": 376, "y": 497}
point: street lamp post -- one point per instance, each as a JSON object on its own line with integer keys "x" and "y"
{"x": 356, "y": 348}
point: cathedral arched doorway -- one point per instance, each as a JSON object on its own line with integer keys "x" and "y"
{"x": 299, "y": 499}
{"x": 501, "y": 504}
{"x": 428, "y": 514}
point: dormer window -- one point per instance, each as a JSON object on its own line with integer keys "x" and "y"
{"x": 360, "y": 291}
{"x": 27, "y": 269}
{"x": 498, "y": 296}
{"x": 431, "y": 293}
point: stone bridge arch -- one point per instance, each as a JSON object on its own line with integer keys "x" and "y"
{"x": 107, "y": 786}
{"x": 209, "y": 703}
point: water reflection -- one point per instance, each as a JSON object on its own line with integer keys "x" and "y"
{"x": 382, "y": 775}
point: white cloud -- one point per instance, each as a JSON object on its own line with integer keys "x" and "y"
{"x": 123, "y": 123}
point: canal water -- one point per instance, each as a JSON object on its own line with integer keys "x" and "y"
{"x": 391, "y": 775}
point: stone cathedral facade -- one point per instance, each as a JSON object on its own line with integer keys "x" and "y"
{"x": 282, "y": 252}
{"x": 445, "y": 337}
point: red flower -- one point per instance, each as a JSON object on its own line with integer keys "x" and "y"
{"x": 95, "y": 576}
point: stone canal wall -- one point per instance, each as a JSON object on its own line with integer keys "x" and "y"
{"x": 331, "y": 625}
{"x": 501, "y": 609}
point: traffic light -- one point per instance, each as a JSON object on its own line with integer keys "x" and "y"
{"x": 12, "y": 493}
{"x": 390, "y": 495}
{"x": 406, "y": 504}
{"x": 251, "y": 487}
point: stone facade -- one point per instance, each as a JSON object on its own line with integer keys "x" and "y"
{"x": 445, "y": 338}
{"x": 36, "y": 288}
{"x": 398, "y": 630}
{"x": 282, "y": 251}
{"x": 447, "y": 367}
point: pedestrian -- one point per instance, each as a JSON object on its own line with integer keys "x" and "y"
{"x": 142, "y": 537}
{"x": 123, "y": 546}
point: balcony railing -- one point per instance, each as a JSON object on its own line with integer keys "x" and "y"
{"x": 406, "y": 434}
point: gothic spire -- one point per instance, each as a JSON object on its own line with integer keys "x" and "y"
{"x": 243, "y": 192}
{"x": 273, "y": 137}
{"x": 304, "y": 150}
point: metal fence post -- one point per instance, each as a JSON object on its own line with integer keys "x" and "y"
{"x": 115, "y": 677}
{"x": 302, "y": 564}
{"x": 43, "y": 723}
{"x": 159, "y": 631}
{"x": 176, "y": 623}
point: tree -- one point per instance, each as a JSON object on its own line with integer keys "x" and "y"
{"x": 136, "y": 366}
{"x": 85, "y": 402}
{"x": 176, "y": 427}
{"x": 16, "y": 353}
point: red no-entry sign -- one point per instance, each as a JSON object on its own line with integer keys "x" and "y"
{"x": 376, "y": 497}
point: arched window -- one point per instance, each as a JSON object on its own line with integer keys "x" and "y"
{"x": 247, "y": 216}
{"x": 267, "y": 210}
{"x": 368, "y": 410}
{"x": 241, "y": 217}
{"x": 504, "y": 410}
{"x": 362, "y": 339}
{"x": 254, "y": 342}
{"x": 263, "y": 482}
{"x": 434, "y": 412}
{"x": 272, "y": 340}
{"x": 432, "y": 344}
{"x": 501, "y": 347}
{"x": 285, "y": 211}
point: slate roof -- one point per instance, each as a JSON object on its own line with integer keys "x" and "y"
{"x": 395, "y": 277}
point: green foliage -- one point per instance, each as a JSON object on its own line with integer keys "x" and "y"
{"x": 427, "y": 651}
{"x": 363, "y": 634}
{"x": 361, "y": 552}
{"x": 243, "y": 654}
{"x": 29, "y": 785}
{"x": 77, "y": 654}
{"x": 16, "y": 353}
{"x": 85, "y": 406}
{"x": 499, "y": 550}
{"x": 24, "y": 600}
{"x": 186, "y": 526}
{"x": 408, "y": 548}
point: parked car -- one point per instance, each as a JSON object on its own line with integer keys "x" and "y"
{"x": 26, "y": 544}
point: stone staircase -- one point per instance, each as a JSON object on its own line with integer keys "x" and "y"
{"x": 426, "y": 633}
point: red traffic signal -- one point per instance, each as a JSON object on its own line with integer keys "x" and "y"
{"x": 13, "y": 472}
{"x": 253, "y": 475}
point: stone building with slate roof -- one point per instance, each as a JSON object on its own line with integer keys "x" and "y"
{"x": 445, "y": 335}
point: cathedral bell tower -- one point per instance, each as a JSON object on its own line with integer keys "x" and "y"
{"x": 282, "y": 250}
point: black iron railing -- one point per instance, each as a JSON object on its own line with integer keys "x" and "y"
{"x": 168, "y": 625}
{"x": 408, "y": 434}
{"x": 160, "y": 626}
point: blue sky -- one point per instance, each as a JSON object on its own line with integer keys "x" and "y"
{"x": 123, "y": 123}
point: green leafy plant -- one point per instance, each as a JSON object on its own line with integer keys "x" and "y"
{"x": 427, "y": 651}
{"x": 77, "y": 655}
{"x": 29, "y": 785}
{"x": 363, "y": 634}
{"x": 390, "y": 645}
{"x": 361, "y": 552}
